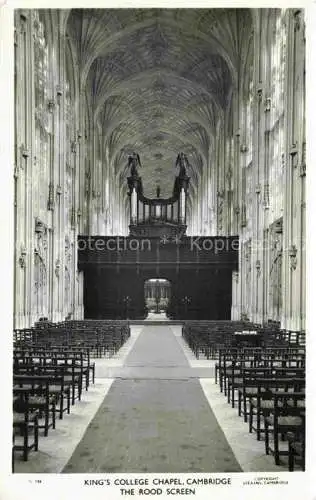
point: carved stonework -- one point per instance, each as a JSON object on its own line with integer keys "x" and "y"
{"x": 51, "y": 105}
{"x": 68, "y": 252}
{"x": 220, "y": 193}
{"x": 237, "y": 209}
{"x": 42, "y": 119}
{"x": 73, "y": 218}
{"x": 283, "y": 162}
{"x": 24, "y": 152}
{"x": 259, "y": 92}
{"x": 267, "y": 104}
{"x": 23, "y": 22}
{"x": 87, "y": 181}
{"x": 39, "y": 226}
{"x": 40, "y": 281}
{"x": 36, "y": 22}
{"x": 258, "y": 189}
{"x": 293, "y": 257}
{"x": 258, "y": 267}
{"x": 275, "y": 269}
{"x": 294, "y": 155}
{"x": 293, "y": 149}
{"x": 278, "y": 227}
{"x": 248, "y": 269}
{"x": 67, "y": 244}
{"x": 51, "y": 198}
{"x": 211, "y": 212}
{"x": 236, "y": 277}
{"x": 220, "y": 207}
{"x": 266, "y": 196}
{"x": 57, "y": 268}
{"x": 67, "y": 289}
{"x": 22, "y": 258}
{"x": 59, "y": 91}
{"x": 96, "y": 194}
{"x": 79, "y": 215}
{"x": 16, "y": 172}
{"x": 247, "y": 251}
{"x": 40, "y": 268}
{"x": 229, "y": 175}
{"x": 297, "y": 20}
{"x": 41, "y": 238}
{"x": 243, "y": 221}
{"x": 303, "y": 162}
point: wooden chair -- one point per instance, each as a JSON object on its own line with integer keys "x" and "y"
{"x": 249, "y": 387}
{"x": 26, "y": 422}
{"x": 39, "y": 397}
{"x": 284, "y": 418}
{"x": 262, "y": 404}
{"x": 296, "y": 449}
{"x": 59, "y": 388}
{"x": 229, "y": 363}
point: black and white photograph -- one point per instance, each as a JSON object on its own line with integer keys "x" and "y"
{"x": 158, "y": 228}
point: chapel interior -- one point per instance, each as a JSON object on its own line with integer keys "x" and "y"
{"x": 159, "y": 227}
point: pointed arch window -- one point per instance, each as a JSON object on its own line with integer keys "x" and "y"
{"x": 278, "y": 56}
{"x": 277, "y": 85}
{"x": 249, "y": 119}
{"x": 42, "y": 115}
{"x": 40, "y": 62}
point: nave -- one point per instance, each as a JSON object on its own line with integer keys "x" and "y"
{"x": 159, "y": 172}
{"x": 154, "y": 406}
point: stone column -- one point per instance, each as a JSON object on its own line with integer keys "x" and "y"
{"x": 235, "y": 311}
{"x": 294, "y": 203}
{"x": 182, "y": 206}
{"x": 134, "y": 206}
{"x": 22, "y": 154}
{"x": 30, "y": 142}
{"x": 258, "y": 168}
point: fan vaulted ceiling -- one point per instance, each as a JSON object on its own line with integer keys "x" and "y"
{"x": 160, "y": 79}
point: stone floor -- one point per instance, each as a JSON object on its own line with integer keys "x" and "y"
{"x": 153, "y": 378}
{"x": 155, "y": 417}
{"x": 157, "y": 317}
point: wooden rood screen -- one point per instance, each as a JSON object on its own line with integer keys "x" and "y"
{"x": 198, "y": 268}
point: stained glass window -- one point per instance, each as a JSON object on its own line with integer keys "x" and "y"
{"x": 42, "y": 118}
{"x": 277, "y": 87}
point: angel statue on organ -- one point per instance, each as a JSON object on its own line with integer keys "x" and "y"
{"x": 133, "y": 163}
{"x": 182, "y": 163}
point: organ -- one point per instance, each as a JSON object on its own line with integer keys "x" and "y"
{"x": 158, "y": 216}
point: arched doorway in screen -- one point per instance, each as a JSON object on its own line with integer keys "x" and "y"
{"x": 157, "y": 296}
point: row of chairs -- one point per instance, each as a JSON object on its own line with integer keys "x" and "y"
{"x": 269, "y": 383}
{"x": 103, "y": 338}
{"x": 44, "y": 385}
{"x": 208, "y": 337}
{"x": 51, "y": 368}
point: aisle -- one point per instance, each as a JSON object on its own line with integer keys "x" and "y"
{"x": 157, "y": 421}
